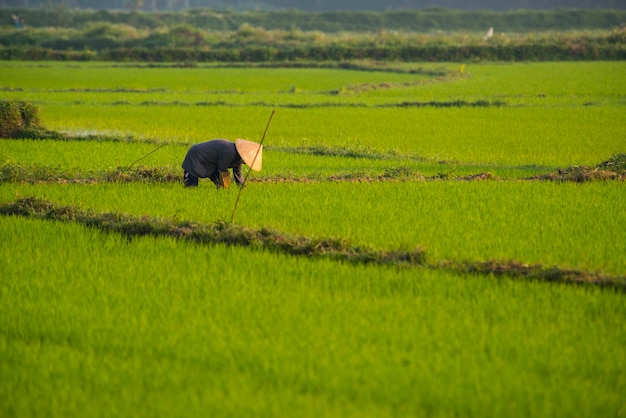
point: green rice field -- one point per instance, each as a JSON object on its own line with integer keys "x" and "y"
{"x": 507, "y": 179}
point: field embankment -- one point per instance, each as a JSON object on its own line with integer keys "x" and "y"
{"x": 268, "y": 240}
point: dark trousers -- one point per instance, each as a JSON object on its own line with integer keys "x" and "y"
{"x": 192, "y": 181}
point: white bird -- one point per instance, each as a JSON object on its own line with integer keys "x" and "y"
{"x": 489, "y": 34}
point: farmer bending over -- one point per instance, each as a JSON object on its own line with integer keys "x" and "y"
{"x": 213, "y": 158}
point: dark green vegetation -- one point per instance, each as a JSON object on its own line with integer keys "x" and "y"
{"x": 18, "y": 118}
{"x": 391, "y": 20}
{"x": 291, "y": 36}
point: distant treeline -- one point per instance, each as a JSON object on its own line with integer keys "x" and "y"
{"x": 206, "y": 36}
{"x": 110, "y": 42}
{"x": 415, "y": 20}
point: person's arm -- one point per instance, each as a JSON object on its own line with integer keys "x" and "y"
{"x": 238, "y": 174}
{"x": 224, "y": 158}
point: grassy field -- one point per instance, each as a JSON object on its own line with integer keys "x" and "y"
{"x": 550, "y": 114}
{"x": 570, "y": 225}
{"x": 154, "y": 327}
{"x": 450, "y": 163}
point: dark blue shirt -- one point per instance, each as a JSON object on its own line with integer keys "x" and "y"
{"x": 204, "y": 159}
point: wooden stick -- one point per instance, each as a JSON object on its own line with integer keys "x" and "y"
{"x": 250, "y": 169}
{"x": 144, "y": 156}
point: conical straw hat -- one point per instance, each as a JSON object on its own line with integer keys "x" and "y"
{"x": 248, "y": 151}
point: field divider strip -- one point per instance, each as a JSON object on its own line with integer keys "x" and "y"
{"x": 614, "y": 168}
{"x": 34, "y": 174}
{"x": 337, "y": 249}
{"x": 220, "y": 232}
{"x": 319, "y": 105}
